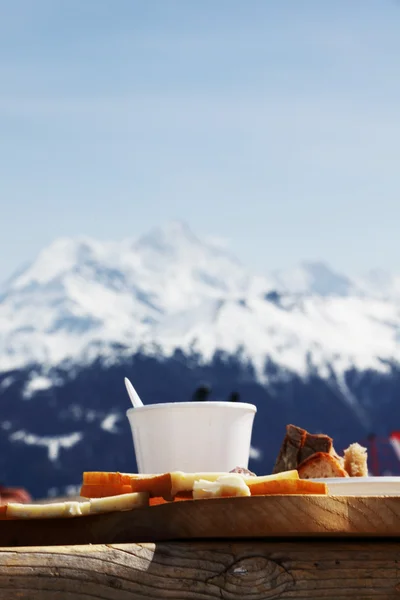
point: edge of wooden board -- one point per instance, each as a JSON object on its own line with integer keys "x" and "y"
{"x": 217, "y": 518}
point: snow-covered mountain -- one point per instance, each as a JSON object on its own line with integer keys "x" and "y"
{"x": 81, "y": 299}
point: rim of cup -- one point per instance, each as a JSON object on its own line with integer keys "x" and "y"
{"x": 206, "y": 403}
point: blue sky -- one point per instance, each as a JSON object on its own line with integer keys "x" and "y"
{"x": 273, "y": 124}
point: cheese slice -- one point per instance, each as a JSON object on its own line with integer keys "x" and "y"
{"x": 276, "y": 477}
{"x": 76, "y": 509}
{"x": 121, "y": 502}
{"x": 47, "y": 511}
{"x": 112, "y": 477}
{"x": 231, "y": 484}
{"x": 184, "y": 482}
{"x": 57, "y": 510}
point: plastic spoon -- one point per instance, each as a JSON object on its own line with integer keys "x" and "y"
{"x": 132, "y": 393}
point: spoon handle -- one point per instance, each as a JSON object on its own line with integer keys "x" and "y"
{"x": 132, "y": 393}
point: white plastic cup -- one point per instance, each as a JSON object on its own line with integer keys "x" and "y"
{"x": 192, "y": 436}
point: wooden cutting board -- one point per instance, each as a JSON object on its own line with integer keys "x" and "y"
{"x": 255, "y": 517}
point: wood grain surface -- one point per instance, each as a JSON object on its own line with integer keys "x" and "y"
{"x": 221, "y": 518}
{"x": 257, "y": 570}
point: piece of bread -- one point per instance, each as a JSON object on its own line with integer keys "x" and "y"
{"x": 355, "y": 461}
{"x": 340, "y": 459}
{"x": 315, "y": 442}
{"x": 288, "y": 457}
{"x": 321, "y": 465}
{"x": 298, "y": 445}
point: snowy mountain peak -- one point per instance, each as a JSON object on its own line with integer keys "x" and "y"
{"x": 176, "y": 242}
{"x": 169, "y": 289}
{"x": 314, "y": 278}
{"x": 59, "y": 257}
{"x": 171, "y": 236}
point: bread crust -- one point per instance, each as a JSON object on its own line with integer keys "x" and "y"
{"x": 321, "y": 465}
{"x": 298, "y": 445}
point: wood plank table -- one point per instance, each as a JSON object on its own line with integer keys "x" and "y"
{"x": 263, "y": 569}
{"x": 345, "y": 547}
